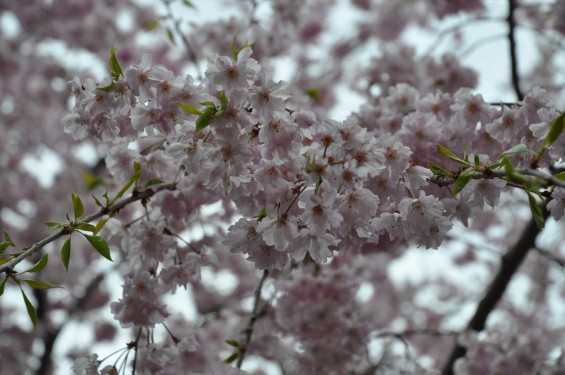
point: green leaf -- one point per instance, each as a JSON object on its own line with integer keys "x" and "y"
{"x": 2, "y": 284}
{"x": 560, "y": 175}
{"x": 536, "y": 211}
{"x": 555, "y": 131}
{"x": 54, "y": 224}
{"x": 445, "y": 152}
{"x": 205, "y": 118}
{"x": 91, "y": 181}
{"x": 223, "y": 100}
{"x": 465, "y": 154}
{"x": 151, "y": 25}
{"x": 85, "y": 226}
{"x": 78, "y": 207}
{"x": 39, "y": 265}
{"x": 171, "y": 36}
{"x": 189, "y": 109}
{"x": 477, "y": 161}
{"x": 8, "y": 239}
{"x": 132, "y": 180}
{"x": 462, "y": 180}
{"x": 188, "y": 4}
{"x": 261, "y": 215}
{"x": 30, "y": 309}
{"x": 35, "y": 284}
{"x": 314, "y": 93}
{"x": 520, "y": 148}
{"x": 232, "y": 357}
{"x": 100, "y": 245}
{"x": 100, "y": 225}
{"x": 508, "y": 167}
{"x": 154, "y": 181}
{"x": 98, "y": 203}
{"x": 66, "y": 253}
{"x": 107, "y": 88}
{"x": 233, "y": 343}
{"x": 4, "y": 245}
{"x": 436, "y": 169}
{"x": 115, "y": 68}
{"x": 208, "y": 104}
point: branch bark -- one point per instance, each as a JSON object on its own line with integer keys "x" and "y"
{"x": 509, "y": 265}
{"x": 513, "y": 54}
{"x": 137, "y": 196}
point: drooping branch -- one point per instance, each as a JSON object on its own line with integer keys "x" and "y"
{"x": 508, "y": 267}
{"x": 136, "y": 196}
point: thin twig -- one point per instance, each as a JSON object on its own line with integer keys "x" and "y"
{"x": 189, "y": 49}
{"x": 136, "y": 196}
{"x": 513, "y": 55}
{"x": 254, "y": 316}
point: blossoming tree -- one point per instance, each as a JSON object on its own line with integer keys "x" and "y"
{"x": 228, "y": 170}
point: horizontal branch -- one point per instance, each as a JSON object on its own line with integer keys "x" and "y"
{"x": 442, "y": 180}
{"x": 136, "y": 196}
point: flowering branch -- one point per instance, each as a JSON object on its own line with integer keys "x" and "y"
{"x": 509, "y": 265}
{"x": 442, "y": 180}
{"x": 136, "y": 196}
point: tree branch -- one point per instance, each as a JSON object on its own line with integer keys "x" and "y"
{"x": 136, "y": 196}
{"x": 512, "y": 42}
{"x": 252, "y": 320}
{"x": 442, "y": 180}
{"x": 509, "y": 265}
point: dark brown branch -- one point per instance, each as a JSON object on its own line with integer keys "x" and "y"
{"x": 52, "y": 334}
{"x": 254, "y": 316}
{"x": 513, "y": 55}
{"x": 508, "y": 267}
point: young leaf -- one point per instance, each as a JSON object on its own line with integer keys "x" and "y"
{"x": 100, "y": 245}
{"x": 445, "y": 152}
{"x": 560, "y": 175}
{"x": 189, "y": 109}
{"x": 436, "y": 169}
{"x": 188, "y": 4}
{"x": 132, "y": 180}
{"x": 233, "y": 343}
{"x": 461, "y": 181}
{"x": 54, "y": 224}
{"x": 115, "y": 68}
{"x": 556, "y": 129}
{"x": 100, "y": 225}
{"x": 204, "y": 119}
{"x": 91, "y": 181}
{"x": 223, "y": 100}
{"x": 520, "y": 148}
{"x": 39, "y": 265}
{"x": 66, "y": 253}
{"x": 98, "y": 203}
{"x": 151, "y": 25}
{"x": 154, "y": 181}
{"x": 477, "y": 161}
{"x": 35, "y": 284}
{"x": 232, "y": 357}
{"x": 4, "y": 245}
{"x": 171, "y": 36}
{"x": 30, "y": 309}
{"x": 3, "y": 284}
{"x": 8, "y": 239}
{"x": 85, "y": 226}
{"x": 536, "y": 211}
{"x": 78, "y": 207}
